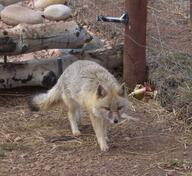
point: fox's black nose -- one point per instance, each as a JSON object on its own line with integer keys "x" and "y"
{"x": 116, "y": 121}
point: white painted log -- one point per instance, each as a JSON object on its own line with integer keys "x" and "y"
{"x": 8, "y": 2}
{"x": 45, "y": 72}
{"x": 1, "y": 8}
{"x": 29, "y": 38}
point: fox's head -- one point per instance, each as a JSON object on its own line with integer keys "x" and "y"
{"x": 111, "y": 105}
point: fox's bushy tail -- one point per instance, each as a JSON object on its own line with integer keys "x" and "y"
{"x": 43, "y": 101}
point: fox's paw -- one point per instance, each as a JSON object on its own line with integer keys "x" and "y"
{"x": 104, "y": 148}
{"x": 76, "y": 133}
{"x": 32, "y": 105}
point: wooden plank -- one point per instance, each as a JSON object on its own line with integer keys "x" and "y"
{"x": 134, "y": 71}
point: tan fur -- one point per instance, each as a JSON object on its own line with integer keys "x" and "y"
{"x": 89, "y": 85}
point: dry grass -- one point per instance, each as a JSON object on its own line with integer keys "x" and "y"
{"x": 168, "y": 44}
{"x": 155, "y": 142}
{"x": 172, "y": 76}
{"x": 34, "y": 128}
{"x": 26, "y": 134}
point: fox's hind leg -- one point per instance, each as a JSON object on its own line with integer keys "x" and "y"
{"x": 73, "y": 115}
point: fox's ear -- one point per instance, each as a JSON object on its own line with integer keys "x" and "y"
{"x": 122, "y": 90}
{"x": 101, "y": 92}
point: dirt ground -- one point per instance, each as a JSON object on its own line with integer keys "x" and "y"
{"x": 157, "y": 145}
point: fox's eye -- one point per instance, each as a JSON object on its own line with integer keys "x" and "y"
{"x": 106, "y": 108}
{"x": 119, "y": 108}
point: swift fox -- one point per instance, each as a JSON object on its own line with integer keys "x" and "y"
{"x": 87, "y": 84}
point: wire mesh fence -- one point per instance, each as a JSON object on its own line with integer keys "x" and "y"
{"x": 169, "y": 42}
{"x": 170, "y": 14}
{"x": 87, "y": 12}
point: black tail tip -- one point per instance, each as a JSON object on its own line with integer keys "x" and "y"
{"x": 31, "y": 105}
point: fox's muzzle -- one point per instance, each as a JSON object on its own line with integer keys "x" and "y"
{"x": 114, "y": 117}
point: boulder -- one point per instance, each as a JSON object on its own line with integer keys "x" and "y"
{"x": 1, "y": 8}
{"x": 16, "y": 14}
{"x": 45, "y": 3}
{"x": 57, "y": 12}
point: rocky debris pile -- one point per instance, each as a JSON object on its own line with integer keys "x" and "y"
{"x": 13, "y": 12}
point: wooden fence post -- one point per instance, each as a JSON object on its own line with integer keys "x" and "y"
{"x": 134, "y": 61}
{"x": 190, "y": 12}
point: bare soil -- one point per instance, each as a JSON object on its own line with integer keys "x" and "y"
{"x": 154, "y": 145}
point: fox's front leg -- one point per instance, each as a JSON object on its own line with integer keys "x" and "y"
{"x": 74, "y": 116}
{"x": 100, "y": 131}
{"x": 105, "y": 133}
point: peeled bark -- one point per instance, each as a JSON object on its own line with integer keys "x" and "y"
{"x": 29, "y": 38}
{"x": 45, "y": 72}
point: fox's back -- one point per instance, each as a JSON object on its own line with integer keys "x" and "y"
{"x": 85, "y": 76}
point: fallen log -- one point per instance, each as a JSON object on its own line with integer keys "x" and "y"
{"x": 29, "y": 38}
{"x": 8, "y": 2}
{"x": 45, "y": 72}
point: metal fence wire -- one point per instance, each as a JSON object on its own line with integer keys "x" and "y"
{"x": 87, "y": 12}
{"x": 174, "y": 13}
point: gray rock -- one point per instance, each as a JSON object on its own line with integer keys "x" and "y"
{"x": 57, "y": 12}
{"x": 16, "y": 14}
{"x": 1, "y": 8}
{"x": 45, "y": 3}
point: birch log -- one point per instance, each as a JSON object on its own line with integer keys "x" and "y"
{"x": 29, "y": 38}
{"x": 8, "y": 2}
{"x": 46, "y": 72}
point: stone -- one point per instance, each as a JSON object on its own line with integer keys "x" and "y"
{"x": 16, "y": 14}
{"x": 170, "y": 173}
{"x": 1, "y": 8}
{"x": 45, "y": 3}
{"x": 18, "y": 139}
{"x": 57, "y": 12}
{"x": 47, "y": 168}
